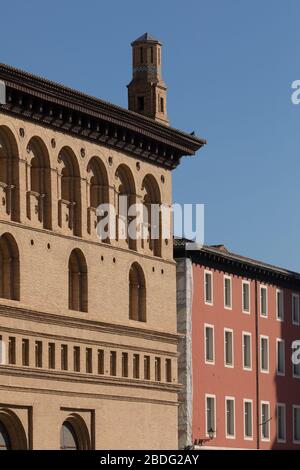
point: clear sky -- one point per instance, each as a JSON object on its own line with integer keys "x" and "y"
{"x": 229, "y": 65}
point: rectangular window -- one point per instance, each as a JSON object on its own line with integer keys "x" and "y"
{"x": 247, "y": 351}
{"x": 136, "y": 366}
{"x": 227, "y": 292}
{"x": 295, "y": 309}
{"x": 147, "y": 367}
{"x": 11, "y": 350}
{"x": 162, "y": 105}
{"x": 168, "y": 365}
{"x": 208, "y": 288}
{"x": 296, "y": 370}
{"x": 280, "y": 356}
{"x": 228, "y": 347}
{"x": 141, "y": 103}
{"x": 265, "y": 421}
{"x": 89, "y": 360}
{"x": 64, "y": 357}
{"x": 279, "y": 305}
{"x": 51, "y": 356}
{"x": 281, "y": 423}
{"x": 124, "y": 364}
{"x": 229, "y": 406}
{"x": 209, "y": 344}
{"x": 248, "y": 432}
{"x": 25, "y": 352}
{"x": 210, "y": 413}
{"x": 264, "y": 354}
{"x": 113, "y": 363}
{"x": 246, "y": 296}
{"x": 296, "y": 424}
{"x": 76, "y": 358}
{"x": 263, "y": 301}
{"x": 38, "y": 354}
{"x": 100, "y": 361}
{"x": 157, "y": 367}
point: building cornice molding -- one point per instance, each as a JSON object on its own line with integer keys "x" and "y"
{"x": 56, "y": 106}
{"x": 229, "y": 262}
{"x": 87, "y": 379}
{"x": 86, "y": 324}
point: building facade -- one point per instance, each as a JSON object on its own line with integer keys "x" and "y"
{"x": 239, "y": 318}
{"x": 89, "y": 350}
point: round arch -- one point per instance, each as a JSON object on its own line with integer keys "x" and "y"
{"x": 137, "y": 293}
{"x": 40, "y": 181}
{"x": 74, "y": 434}
{"x": 9, "y": 267}
{"x": 78, "y": 281}
{"x": 9, "y": 173}
{"x": 13, "y": 433}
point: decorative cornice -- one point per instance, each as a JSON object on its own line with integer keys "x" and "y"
{"x": 53, "y": 105}
{"x": 91, "y": 325}
{"x": 87, "y": 379}
{"x": 239, "y": 265}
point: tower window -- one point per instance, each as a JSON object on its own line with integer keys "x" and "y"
{"x": 141, "y": 103}
{"x": 162, "y": 105}
{"x": 141, "y": 55}
{"x": 151, "y": 54}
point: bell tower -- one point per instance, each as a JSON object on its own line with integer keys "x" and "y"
{"x": 147, "y": 92}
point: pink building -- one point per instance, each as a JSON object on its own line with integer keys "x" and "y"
{"x": 239, "y": 318}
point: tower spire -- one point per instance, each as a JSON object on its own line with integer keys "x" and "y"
{"x": 147, "y": 92}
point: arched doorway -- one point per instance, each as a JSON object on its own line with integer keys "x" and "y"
{"x": 68, "y": 438}
{"x": 12, "y": 433}
{"x": 4, "y": 438}
{"x": 74, "y": 434}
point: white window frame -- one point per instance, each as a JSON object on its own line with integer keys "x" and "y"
{"x": 264, "y": 371}
{"x": 263, "y": 287}
{"x": 248, "y": 400}
{"x": 265, "y": 439}
{"x": 229, "y": 436}
{"x": 243, "y": 310}
{"x": 209, "y": 395}
{"x": 294, "y": 295}
{"x": 207, "y": 325}
{"x": 295, "y": 376}
{"x": 229, "y": 330}
{"x": 210, "y": 273}
{"x": 295, "y": 441}
{"x": 226, "y": 276}
{"x": 280, "y": 340}
{"x": 281, "y": 405}
{"x": 246, "y": 333}
{"x": 278, "y": 318}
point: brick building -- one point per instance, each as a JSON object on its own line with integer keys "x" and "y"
{"x": 90, "y": 351}
{"x": 239, "y": 318}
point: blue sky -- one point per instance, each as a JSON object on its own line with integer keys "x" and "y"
{"x": 229, "y": 66}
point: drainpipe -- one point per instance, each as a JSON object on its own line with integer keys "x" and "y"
{"x": 257, "y": 365}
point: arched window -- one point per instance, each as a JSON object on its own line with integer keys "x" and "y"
{"x": 98, "y": 190}
{"x": 39, "y": 195}
{"x": 78, "y": 282}
{"x": 137, "y": 293}
{"x": 74, "y": 434}
{"x": 4, "y": 438}
{"x": 152, "y": 226}
{"x": 70, "y": 201}
{"x": 68, "y": 438}
{"x": 9, "y": 268}
{"x": 126, "y": 196}
{"x": 9, "y": 175}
